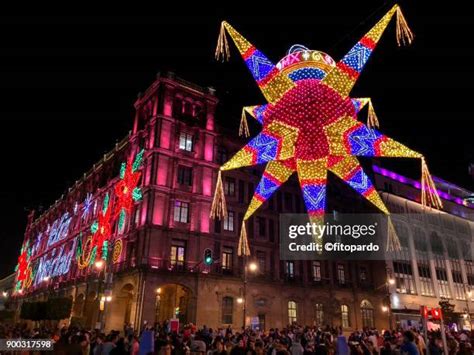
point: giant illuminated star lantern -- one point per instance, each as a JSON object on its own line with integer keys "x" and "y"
{"x": 310, "y": 126}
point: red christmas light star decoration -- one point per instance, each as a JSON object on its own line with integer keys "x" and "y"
{"x": 124, "y": 190}
{"x": 103, "y": 232}
{"x": 22, "y": 265}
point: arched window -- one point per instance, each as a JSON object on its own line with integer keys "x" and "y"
{"x": 188, "y": 108}
{"x": 227, "y": 309}
{"x": 345, "y": 321}
{"x": 319, "y": 314}
{"x": 292, "y": 309}
{"x": 367, "y": 312}
{"x": 177, "y": 106}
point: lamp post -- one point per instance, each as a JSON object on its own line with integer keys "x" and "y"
{"x": 252, "y": 266}
{"x": 390, "y": 281}
{"x": 104, "y": 296}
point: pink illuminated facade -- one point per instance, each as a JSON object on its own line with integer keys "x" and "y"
{"x": 153, "y": 267}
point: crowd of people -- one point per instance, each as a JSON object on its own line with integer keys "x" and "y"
{"x": 294, "y": 340}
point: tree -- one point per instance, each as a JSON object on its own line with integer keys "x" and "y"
{"x": 52, "y": 309}
{"x": 58, "y": 308}
{"x": 448, "y": 311}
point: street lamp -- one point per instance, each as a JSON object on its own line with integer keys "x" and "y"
{"x": 253, "y": 267}
{"x": 240, "y": 300}
{"x": 99, "y": 264}
{"x": 390, "y": 281}
{"x": 5, "y": 294}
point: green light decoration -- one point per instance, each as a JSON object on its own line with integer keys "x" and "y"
{"x": 123, "y": 168}
{"x": 93, "y": 252}
{"x": 138, "y": 161}
{"x": 123, "y": 216}
{"x": 79, "y": 250}
{"x": 105, "y": 250}
{"x": 106, "y": 203}
{"x": 127, "y": 191}
{"x": 94, "y": 227}
{"x": 137, "y": 194}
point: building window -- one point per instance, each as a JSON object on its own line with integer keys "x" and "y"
{"x": 316, "y": 271}
{"x": 188, "y": 108}
{"x": 404, "y": 277}
{"x": 442, "y": 277}
{"x": 222, "y": 155}
{"x": 241, "y": 191}
{"x": 290, "y": 269}
{"x": 178, "y": 253}
{"x": 185, "y": 175}
{"x": 423, "y": 260}
{"x": 227, "y": 310}
{"x": 261, "y": 260}
{"x": 319, "y": 314}
{"x": 229, "y": 221}
{"x": 292, "y": 312}
{"x": 186, "y": 141}
{"x": 177, "y": 107}
{"x": 227, "y": 259}
{"x": 261, "y": 226}
{"x": 425, "y": 280}
{"x": 181, "y": 211}
{"x": 345, "y": 316}
{"x": 470, "y": 272}
{"x": 457, "y": 280}
{"x": 229, "y": 186}
{"x": 217, "y": 225}
{"x": 367, "y": 312}
{"x": 341, "y": 274}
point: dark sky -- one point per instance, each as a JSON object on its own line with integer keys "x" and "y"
{"x": 68, "y": 83}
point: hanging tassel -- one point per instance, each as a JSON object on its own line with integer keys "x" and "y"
{"x": 244, "y": 127}
{"x": 219, "y": 208}
{"x": 404, "y": 34}
{"x": 243, "y": 249}
{"x": 372, "y": 120}
{"x": 393, "y": 243}
{"x": 429, "y": 193}
{"x": 222, "y": 48}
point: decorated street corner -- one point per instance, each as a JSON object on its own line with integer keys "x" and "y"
{"x": 267, "y": 208}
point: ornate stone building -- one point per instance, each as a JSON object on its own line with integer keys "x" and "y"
{"x": 155, "y": 268}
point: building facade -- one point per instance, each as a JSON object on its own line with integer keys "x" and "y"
{"x": 140, "y": 259}
{"x": 435, "y": 261}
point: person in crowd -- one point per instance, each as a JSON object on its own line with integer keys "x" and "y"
{"x": 409, "y": 347}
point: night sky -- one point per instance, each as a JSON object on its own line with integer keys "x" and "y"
{"x": 68, "y": 84}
